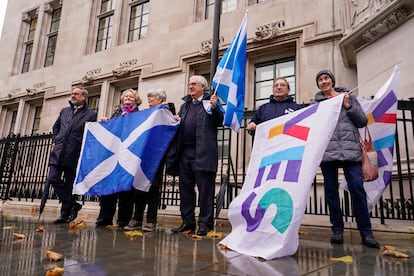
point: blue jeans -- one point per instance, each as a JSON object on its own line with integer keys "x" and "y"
{"x": 353, "y": 175}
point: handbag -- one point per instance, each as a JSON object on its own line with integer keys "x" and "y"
{"x": 369, "y": 157}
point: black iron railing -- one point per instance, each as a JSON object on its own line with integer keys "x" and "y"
{"x": 24, "y": 168}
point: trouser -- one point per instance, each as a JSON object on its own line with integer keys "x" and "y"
{"x": 205, "y": 180}
{"x": 152, "y": 198}
{"x": 353, "y": 176}
{"x": 125, "y": 206}
{"x": 63, "y": 187}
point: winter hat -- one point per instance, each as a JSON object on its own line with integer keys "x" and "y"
{"x": 325, "y": 72}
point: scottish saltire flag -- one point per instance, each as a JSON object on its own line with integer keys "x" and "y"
{"x": 124, "y": 152}
{"x": 229, "y": 80}
{"x": 382, "y": 119}
{"x": 286, "y": 154}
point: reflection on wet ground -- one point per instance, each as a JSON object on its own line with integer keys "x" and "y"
{"x": 102, "y": 251}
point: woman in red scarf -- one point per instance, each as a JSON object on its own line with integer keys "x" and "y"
{"x": 130, "y": 102}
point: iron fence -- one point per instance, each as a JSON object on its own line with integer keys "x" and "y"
{"x": 24, "y": 168}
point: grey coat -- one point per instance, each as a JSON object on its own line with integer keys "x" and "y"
{"x": 344, "y": 144}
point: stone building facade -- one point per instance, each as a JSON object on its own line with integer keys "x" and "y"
{"x": 49, "y": 46}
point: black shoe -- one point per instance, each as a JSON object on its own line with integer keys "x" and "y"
{"x": 370, "y": 241}
{"x": 103, "y": 222}
{"x": 337, "y": 237}
{"x": 184, "y": 227}
{"x": 60, "y": 220}
{"x": 122, "y": 224}
{"x": 74, "y": 213}
{"x": 202, "y": 231}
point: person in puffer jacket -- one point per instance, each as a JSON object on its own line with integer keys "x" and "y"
{"x": 344, "y": 151}
{"x": 280, "y": 103}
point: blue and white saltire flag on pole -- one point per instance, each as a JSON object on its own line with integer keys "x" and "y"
{"x": 229, "y": 79}
{"x": 124, "y": 152}
{"x": 286, "y": 154}
{"x": 381, "y": 112}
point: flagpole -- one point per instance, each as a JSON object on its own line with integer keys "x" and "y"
{"x": 216, "y": 37}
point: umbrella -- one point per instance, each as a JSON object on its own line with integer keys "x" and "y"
{"x": 45, "y": 195}
{"x": 221, "y": 193}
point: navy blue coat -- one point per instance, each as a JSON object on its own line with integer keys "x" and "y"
{"x": 206, "y": 138}
{"x": 68, "y": 134}
{"x": 274, "y": 109}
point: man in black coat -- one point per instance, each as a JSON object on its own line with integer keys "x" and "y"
{"x": 67, "y": 142}
{"x": 197, "y": 155}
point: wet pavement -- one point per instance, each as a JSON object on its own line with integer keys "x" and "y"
{"x": 104, "y": 251}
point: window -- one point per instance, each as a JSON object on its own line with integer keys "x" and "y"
{"x": 29, "y": 45}
{"x": 52, "y": 37}
{"x": 93, "y": 103}
{"x": 138, "y": 21}
{"x": 226, "y": 6}
{"x": 36, "y": 120}
{"x": 265, "y": 73}
{"x": 13, "y": 121}
{"x": 104, "y": 37}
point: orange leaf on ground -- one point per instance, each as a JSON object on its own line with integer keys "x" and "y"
{"x": 40, "y": 229}
{"x": 56, "y": 271}
{"x": 77, "y": 224}
{"x": 19, "y": 236}
{"x": 53, "y": 256}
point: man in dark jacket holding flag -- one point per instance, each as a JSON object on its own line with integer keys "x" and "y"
{"x": 197, "y": 155}
{"x": 67, "y": 142}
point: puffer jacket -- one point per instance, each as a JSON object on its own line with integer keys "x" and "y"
{"x": 344, "y": 144}
{"x": 68, "y": 134}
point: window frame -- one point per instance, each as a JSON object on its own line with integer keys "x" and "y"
{"x": 225, "y": 7}
{"x": 52, "y": 37}
{"x": 143, "y": 6}
{"x": 105, "y": 18}
{"x": 28, "y": 49}
{"x": 274, "y": 63}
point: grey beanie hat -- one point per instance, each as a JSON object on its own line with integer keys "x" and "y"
{"x": 325, "y": 72}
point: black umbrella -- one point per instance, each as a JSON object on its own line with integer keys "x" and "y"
{"x": 45, "y": 196}
{"x": 221, "y": 193}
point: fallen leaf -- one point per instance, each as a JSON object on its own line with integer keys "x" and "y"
{"x": 303, "y": 233}
{"x": 19, "y": 236}
{"x": 133, "y": 234}
{"x": 9, "y": 227}
{"x": 53, "y": 256}
{"x": 34, "y": 209}
{"x": 346, "y": 259}
{"x": 112, "y": 227}
{"x": 196, "y": 237}
{"x": 77, "y": 224}
{"x": 389, "y": 247}
{"x": 394, "y": 253}
{"x": 214, "y": 234}
{"x": 40, "y": 229}
{"x": 223, "y": 247}
{"x": 56, "y": 271}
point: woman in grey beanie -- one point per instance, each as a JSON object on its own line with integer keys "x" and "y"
{"x": 344, "y": 152}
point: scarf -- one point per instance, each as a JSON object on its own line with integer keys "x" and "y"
{"x": 128, "y": 108}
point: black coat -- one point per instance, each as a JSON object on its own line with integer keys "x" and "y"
{"x": 206, "y": 138}
{"x": 68, "y": 134}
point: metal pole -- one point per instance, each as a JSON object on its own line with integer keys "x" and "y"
{"x": 216, "y": 38}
